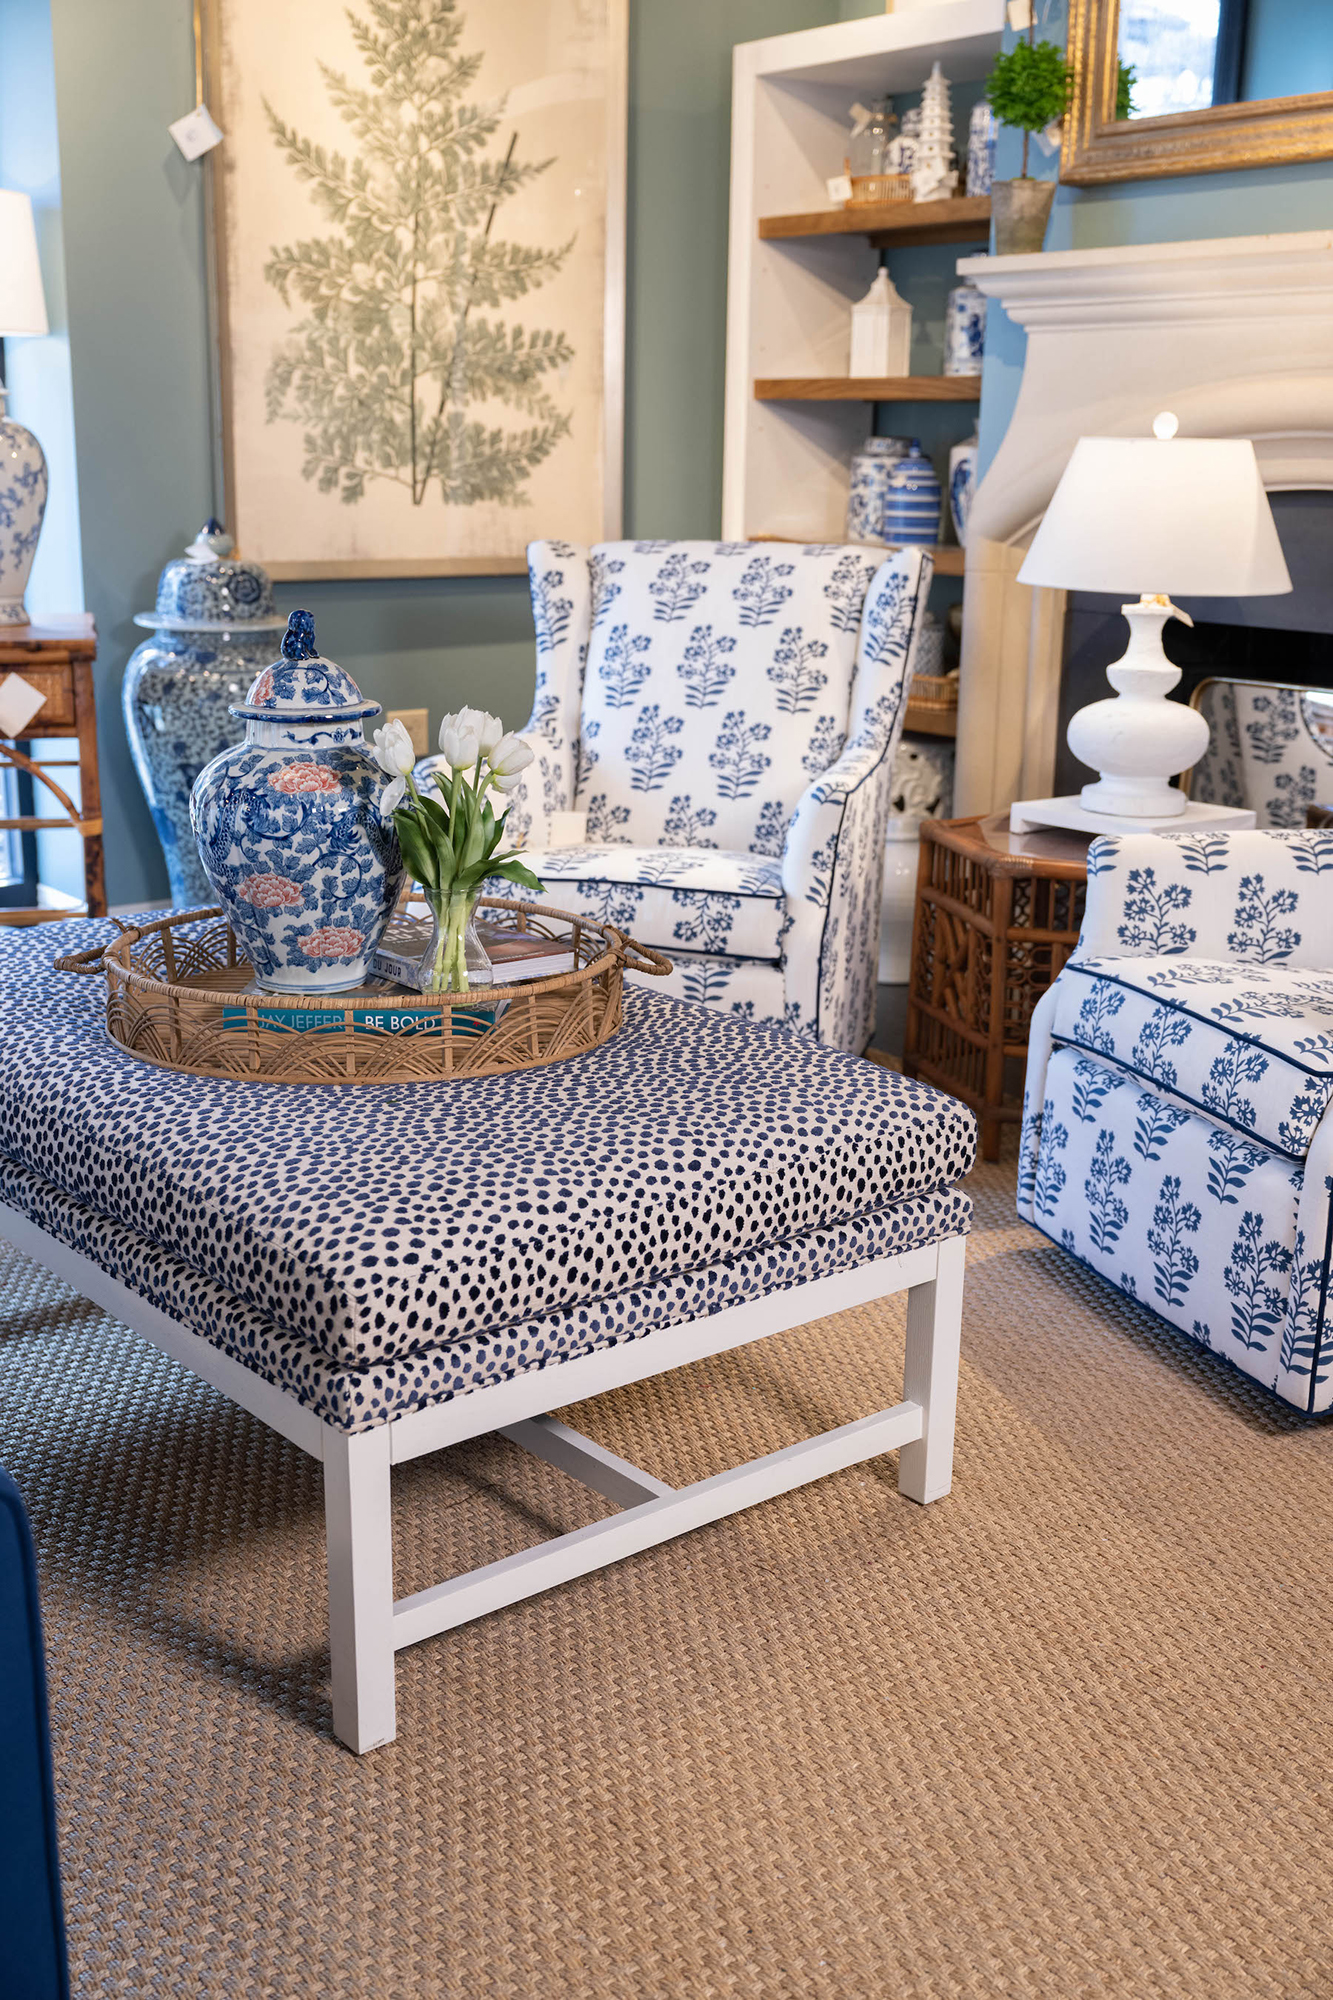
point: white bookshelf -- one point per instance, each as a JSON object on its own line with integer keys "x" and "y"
{"x": 786, "y": 457}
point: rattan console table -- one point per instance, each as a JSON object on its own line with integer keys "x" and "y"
{"x": 997, "y": 915}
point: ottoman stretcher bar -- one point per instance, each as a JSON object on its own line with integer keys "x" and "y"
{"x": 367, "y": 1627}
{"x": 382, "y": 1272}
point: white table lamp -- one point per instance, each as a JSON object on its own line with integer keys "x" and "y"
{"x": 1174, "y": 514}
{"x": 22, "y": 463}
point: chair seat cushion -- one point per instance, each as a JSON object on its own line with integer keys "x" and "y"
{"x": 381, "y": 1220}
{"x": 700, "y": 897}
{"x": 1247, "y": 1046}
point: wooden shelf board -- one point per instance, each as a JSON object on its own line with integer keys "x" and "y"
{"x": 966, "y": 220}
{"x": 924, "y": 719}
{"x": 868, "y": 389}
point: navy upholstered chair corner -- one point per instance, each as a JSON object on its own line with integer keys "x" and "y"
{"x": 32, "y": 1928}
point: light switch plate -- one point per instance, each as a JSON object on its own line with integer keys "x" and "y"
{"x": 416, "y": 721}
{"x": 19, "y": 702}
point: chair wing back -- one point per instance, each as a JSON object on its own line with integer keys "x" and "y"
{"x": 561, "y": 585}
{"x": 718, "y": 683}
{"x": 1262, "y": 898}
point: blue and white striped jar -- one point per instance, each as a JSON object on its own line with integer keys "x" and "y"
{"x": 912, "y": 503}
{"x": 869, "y": 486}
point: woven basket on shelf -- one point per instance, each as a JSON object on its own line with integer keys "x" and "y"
{"x": 937, "y": 691}
{"x": 879, "y": 187}
{"x": 186, "y": 1000}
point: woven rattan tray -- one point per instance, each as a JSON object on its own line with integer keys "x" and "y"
{"x": 180, "y": 994}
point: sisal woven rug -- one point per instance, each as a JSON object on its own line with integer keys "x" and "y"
{"x": 1059, "y": 1735}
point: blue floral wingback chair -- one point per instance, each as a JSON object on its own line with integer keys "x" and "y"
{"x": 1177, "y": 1135}
{"x": 726, "y": 713}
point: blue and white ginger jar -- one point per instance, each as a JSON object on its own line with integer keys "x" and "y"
{"x": 912, "y": 502}
{"x": 962, "y": 484}
{"x": 289, "y": 827}
{"x": 965, "y": 331}
{"x": 981, "y": 149}
{"x": 23, "y": 484}
{"x": 869, "y": 485}
{"x": 213, "y": 629}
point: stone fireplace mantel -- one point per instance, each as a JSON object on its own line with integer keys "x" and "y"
{"x": 1234, "y": 334}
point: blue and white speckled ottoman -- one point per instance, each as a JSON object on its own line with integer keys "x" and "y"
{"x": 379, "y": 1272}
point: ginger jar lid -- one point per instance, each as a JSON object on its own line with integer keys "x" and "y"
{"x": 204, "y": 591}
{"x": 301, "y": 686}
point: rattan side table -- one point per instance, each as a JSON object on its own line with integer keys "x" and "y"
{"x": 997, "y": 915}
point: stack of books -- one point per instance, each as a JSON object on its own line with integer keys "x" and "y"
{"x": 514, "y": 955}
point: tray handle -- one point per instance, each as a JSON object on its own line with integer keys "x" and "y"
{"x": 642, "y": 958}
{"x": 91, "y": 961}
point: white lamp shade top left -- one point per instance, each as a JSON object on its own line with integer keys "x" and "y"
{"x": 22, "y": 301}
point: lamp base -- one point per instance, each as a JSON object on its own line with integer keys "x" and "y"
{"x": 1139, "y": 740}
{"x": 1026, "y": 815}
{"x": 23, "y": 479}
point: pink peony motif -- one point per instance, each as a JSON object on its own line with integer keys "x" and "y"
{"x": 332, "y": 943}
{"x": 271, "y": 892}
{"x": 263, "y": 687}
{"x": 304, "y": 778}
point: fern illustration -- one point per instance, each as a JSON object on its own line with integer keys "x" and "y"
{"x": 405, "y": 333}
{"x": 1257, "y": 1310}
{"x": 1313, "y": 853}
{"x": 1102, "y": 856}
{"x": 794, "y": 673}
{"x": 706, "y": 668}
{"x": 889, "y": 623}
{"x": 1107, "y": 1213}
{"x": 1177, "y": 1265}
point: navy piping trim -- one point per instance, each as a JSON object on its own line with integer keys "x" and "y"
{"x": 1323, "y": 1301}
{"x": 1171, "y": 1090}
{"x": 636, "y": 882}
{"x": 1205, "y": 1021}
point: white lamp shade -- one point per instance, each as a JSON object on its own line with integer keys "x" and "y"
{"x": 22, "y": 304}
{"x": 1187, "y": 517}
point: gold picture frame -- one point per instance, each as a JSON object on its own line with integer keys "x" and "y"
{"x": 1099, "y": 147}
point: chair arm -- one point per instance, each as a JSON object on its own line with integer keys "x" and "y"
{"x": 832, "y": 879}
{"x": 1257, "y": 895}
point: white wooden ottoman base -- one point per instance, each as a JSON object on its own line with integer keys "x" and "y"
{"x": 367, "y": 1627}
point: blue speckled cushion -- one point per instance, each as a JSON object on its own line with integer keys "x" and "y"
{"x": 377, "y": 1222}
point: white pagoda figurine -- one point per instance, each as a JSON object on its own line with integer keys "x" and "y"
{"x": 934, "y": 176}
{"x": 881, "y": 331}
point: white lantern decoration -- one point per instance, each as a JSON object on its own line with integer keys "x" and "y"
{"x": 881, "y": 331}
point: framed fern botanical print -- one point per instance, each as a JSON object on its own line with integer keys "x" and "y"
{"x": 418, "y": 219}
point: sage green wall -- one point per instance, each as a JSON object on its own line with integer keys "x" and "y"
{"x": 134, "y": 248}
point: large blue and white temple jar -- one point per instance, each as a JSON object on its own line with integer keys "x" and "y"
{"x": 213, "y": 630}
{"x": 289, "y": 828}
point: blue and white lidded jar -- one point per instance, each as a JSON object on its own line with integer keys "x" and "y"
{"x": 981, "y": 149}
{"x": 965, "y": 331}
{"x": 869, "y": 485}
{"x": 213, "y": 630}
{"x": 289, "y": 828}
{"x": 912, "y": 503}
{"x": 962, "y": 484}
{"x": 23, "y": 484}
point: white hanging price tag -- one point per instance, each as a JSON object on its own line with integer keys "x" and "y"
{"x": 196, "y": 133}
{"x": 839, "y": 188}
{"x": 1051, "y": 136}
{"x": 1019, "y": 13}
{"x": 19, "y": 702}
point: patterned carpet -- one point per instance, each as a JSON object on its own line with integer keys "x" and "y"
{"x": 1061, "y": 1735}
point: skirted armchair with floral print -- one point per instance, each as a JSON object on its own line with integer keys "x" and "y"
{"x": 726, "y": 714}
{"x": 1177, "y": 1132}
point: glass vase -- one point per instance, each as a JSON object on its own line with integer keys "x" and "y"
{"x": 455, "y": 959}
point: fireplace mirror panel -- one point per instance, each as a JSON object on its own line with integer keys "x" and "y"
{"x": 1271, "y": 748}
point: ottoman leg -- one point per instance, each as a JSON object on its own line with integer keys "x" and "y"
{"x": 930, "y": 1375}
{"x": 359, "y": 1533}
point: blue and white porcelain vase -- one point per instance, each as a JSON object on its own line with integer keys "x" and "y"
{"x": 22, "y": 504}
{"x": 213, "y": 632}
{"x": 912, "y": 502}
{"x": 980, "y": 149}
{"x": 962, "y": 484}
{"x": 289, "y": 826}
{"x": 868, "y": 487}
{"x": 965, "y": 331}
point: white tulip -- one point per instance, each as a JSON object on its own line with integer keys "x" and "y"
{"x": 392, "y": 796}
{"x": 510, "y": 756}
{"x": 393, "y": 749}
{"x": 460, "y": 747}
{"x": 488, "y": 729}
{"x": 447, "y": 723}
{"x": 509, "y": 783}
